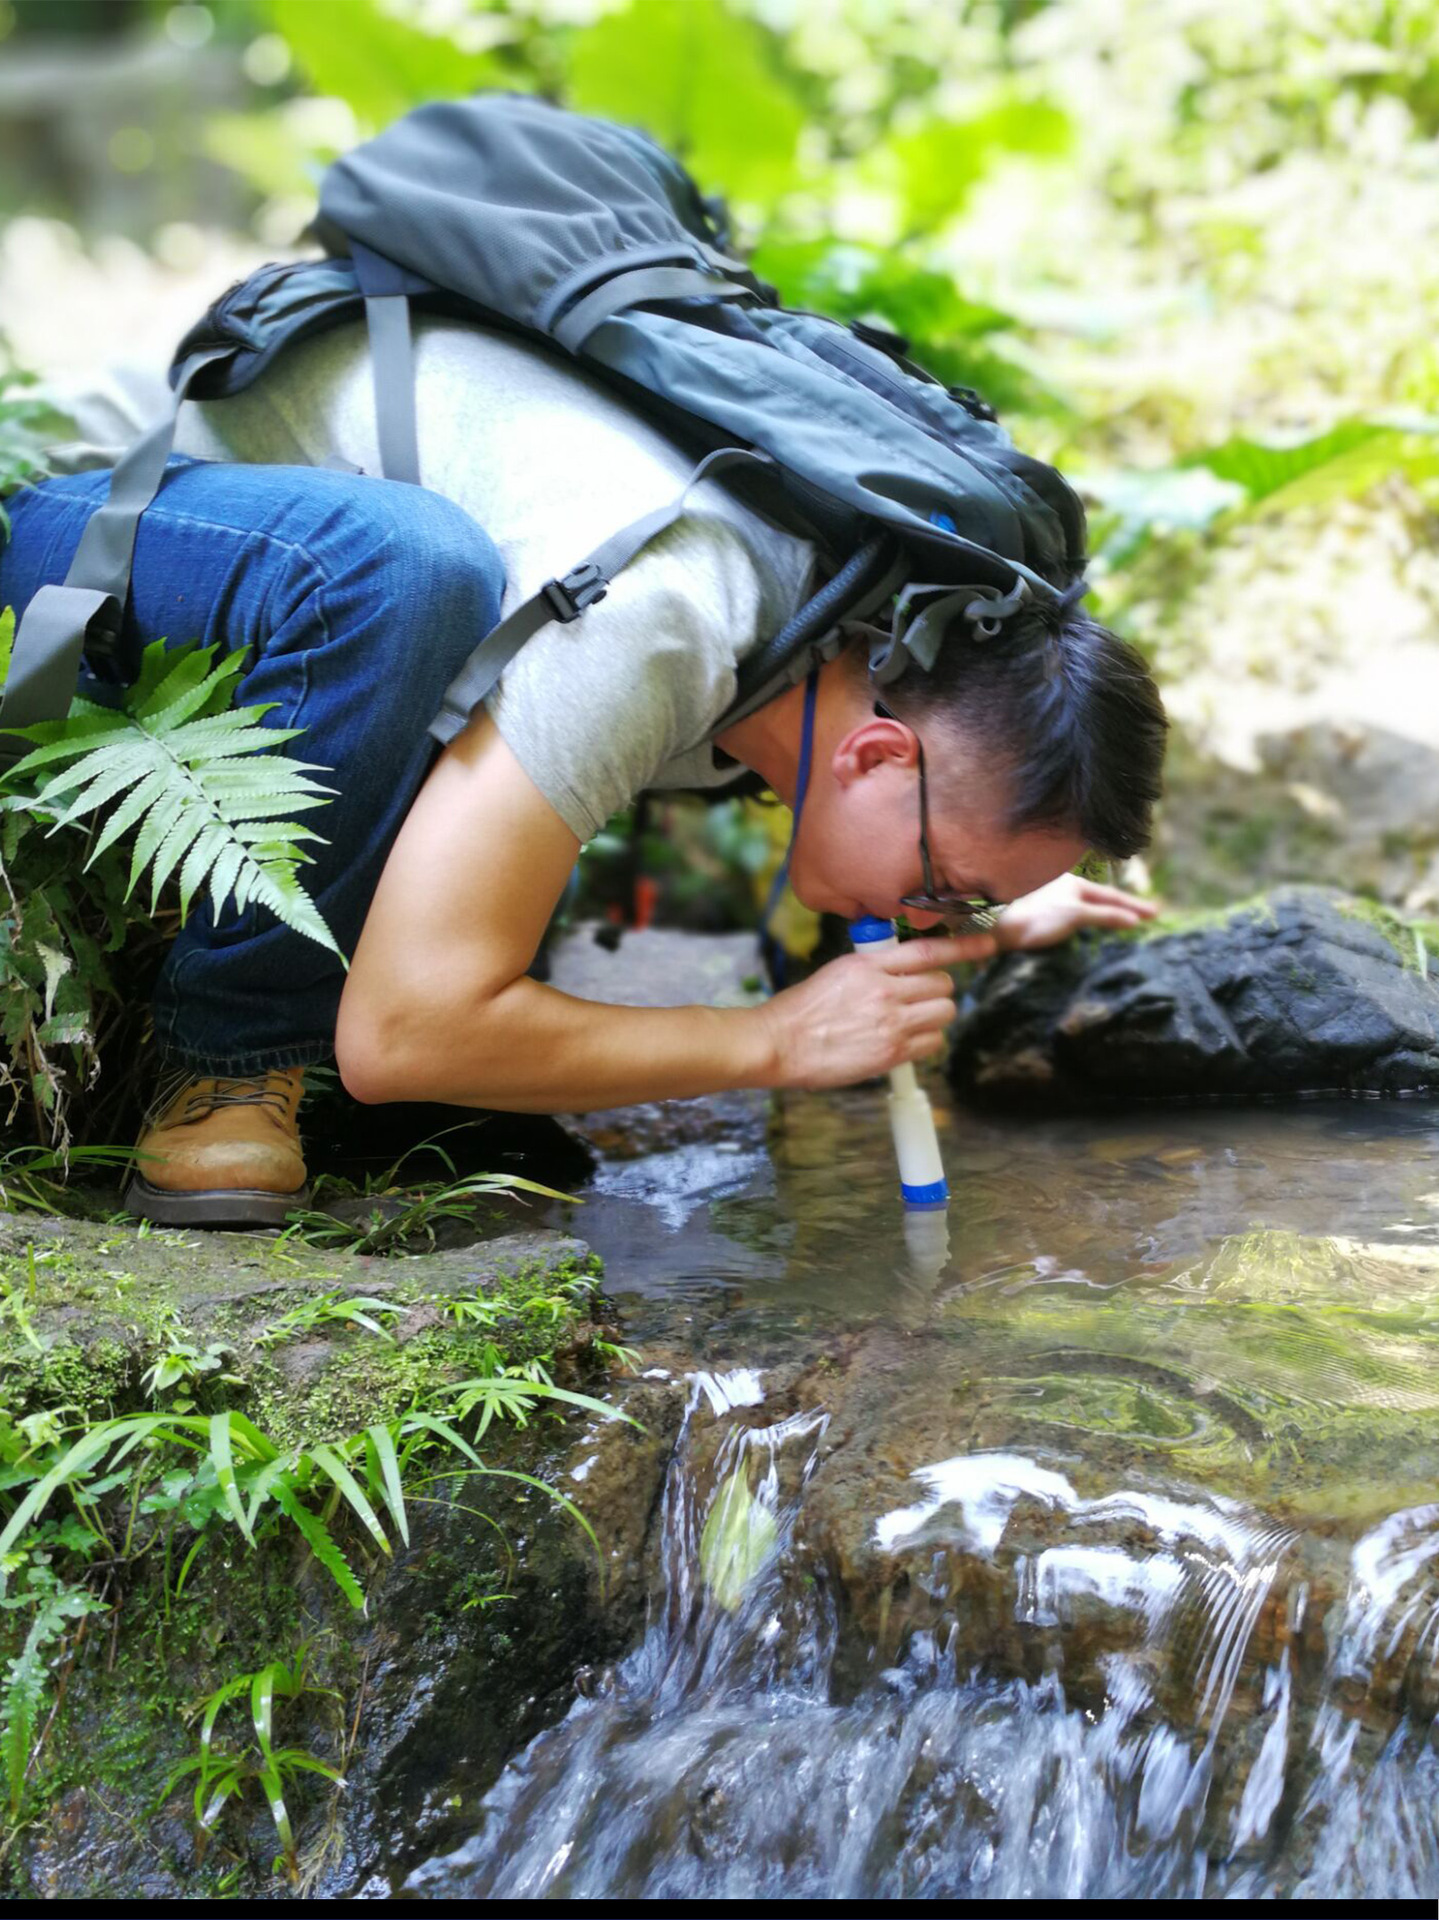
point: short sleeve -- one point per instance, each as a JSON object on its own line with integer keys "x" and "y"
{"x": 594, "y": 708}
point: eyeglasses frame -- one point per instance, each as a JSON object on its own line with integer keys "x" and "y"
{"x": 960, "y": 913}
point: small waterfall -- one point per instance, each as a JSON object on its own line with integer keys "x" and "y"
{"x": 733, "y": 1754}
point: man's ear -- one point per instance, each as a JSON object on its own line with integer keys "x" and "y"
{"x": 876, "y": 742}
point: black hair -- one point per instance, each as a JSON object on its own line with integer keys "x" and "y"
{"x": 1070, "y": 710}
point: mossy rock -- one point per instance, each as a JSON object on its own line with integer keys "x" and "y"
{"x": 1302, "y": 991}
{"x": 471, "y": 1636}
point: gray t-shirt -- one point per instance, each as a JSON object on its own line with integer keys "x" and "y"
{"x": 549, "y": 463}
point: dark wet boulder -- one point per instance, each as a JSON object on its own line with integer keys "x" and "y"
{"x": 1302, "y": 991}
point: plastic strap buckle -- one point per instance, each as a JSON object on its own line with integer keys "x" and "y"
{"x": 581, "y": 587}
{"x": 102, "y": 645}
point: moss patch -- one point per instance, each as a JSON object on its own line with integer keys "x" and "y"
{"x": 1415, "y": 941}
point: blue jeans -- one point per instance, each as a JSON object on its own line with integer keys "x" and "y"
{"x": 357, "y": 601}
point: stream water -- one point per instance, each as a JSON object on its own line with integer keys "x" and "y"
{"x": 1094, "y": 1552}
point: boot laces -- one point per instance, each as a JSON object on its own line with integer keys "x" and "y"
{"x": 225, "y": 1090}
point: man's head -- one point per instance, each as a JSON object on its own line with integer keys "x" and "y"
{"x": 1039, "y": 744}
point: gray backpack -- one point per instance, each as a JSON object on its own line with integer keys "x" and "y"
{"x": 588, "y": 238}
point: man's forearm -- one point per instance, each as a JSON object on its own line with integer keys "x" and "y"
{"x": 532, "y": 1049}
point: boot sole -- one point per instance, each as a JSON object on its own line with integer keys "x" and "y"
{"x": 213, "y": 1206}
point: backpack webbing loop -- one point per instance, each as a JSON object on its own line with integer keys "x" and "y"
{"x": 387, "y": 287}
{"x": 633, "y": 290}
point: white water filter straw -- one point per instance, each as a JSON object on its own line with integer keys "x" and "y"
{"x": 911, "y": 1118}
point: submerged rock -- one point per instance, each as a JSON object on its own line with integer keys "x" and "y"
{"x": 1303, "y": 991}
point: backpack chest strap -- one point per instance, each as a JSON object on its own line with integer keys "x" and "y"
{"x": 566, "y": 598}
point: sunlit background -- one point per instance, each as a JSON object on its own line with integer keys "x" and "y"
{"x": 1190, "y": 250}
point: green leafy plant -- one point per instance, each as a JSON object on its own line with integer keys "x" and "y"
{"x": 330, "y": 1309}
{"x": 35, "y": 1179}
{"x": 183, "y": 1364}
{"x": 60, "y": 929}
{"x": 23, "y": 416}
{"x": 472, "y": 1309}
{"x": 192, "y": 781}
{"x": 413, "y": 1215}
{"x": 739, "y": 1537}
{"x": 16, "y": 1303}
{"x": 201, "y": 786}
{"x": 222, "y": 1773}
{"x": 237, "y": 1474}
{"x": 642, "y": 64}
{"x": 107, "y": 1493}
{"x": 381, "y": 63}
{"x": 1218, "y": 488}
{"x": 56, "y": 1605}
{"x": 615, "y": 1355}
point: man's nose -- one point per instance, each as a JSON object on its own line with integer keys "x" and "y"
{"x": 922, "y": 922}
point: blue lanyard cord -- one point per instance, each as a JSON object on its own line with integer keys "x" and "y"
{"x": 774, "y": 953}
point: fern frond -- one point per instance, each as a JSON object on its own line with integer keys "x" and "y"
{"x": 198, "y": 781}
{"x": 321, "y": 1543}
{"x": 24, "y": 1690}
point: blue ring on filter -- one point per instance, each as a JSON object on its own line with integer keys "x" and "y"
{"x": 934, "y": 1194}
{"x": 863, "y": 931}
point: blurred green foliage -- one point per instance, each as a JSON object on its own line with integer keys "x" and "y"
{"x": 1186, "y": 250}
{"x": 1182, "y": 249}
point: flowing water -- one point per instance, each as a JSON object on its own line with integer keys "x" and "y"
{"x": 1084, "y": 1543}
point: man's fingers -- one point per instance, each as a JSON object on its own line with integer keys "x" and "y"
{"x": 1099, "y": 916}
{"x": 918, "y": 987}
{"x": 932, "y": 1041}
{"x": 1095, "y": 890}
{"x": 932, "y": 1013}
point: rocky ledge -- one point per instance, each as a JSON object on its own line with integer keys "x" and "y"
{"x": 472, "y": 1630}
{"x": 1302, "y": 991}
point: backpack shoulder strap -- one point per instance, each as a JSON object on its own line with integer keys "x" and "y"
{"x": 88, "y": 609}
{"x": 566, "y": 598}
{"x": 387, "y": 289}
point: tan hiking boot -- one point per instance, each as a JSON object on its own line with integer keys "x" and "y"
{"x": 223, "y": 1152}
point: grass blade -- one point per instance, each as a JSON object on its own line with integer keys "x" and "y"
{"x": 223, "y": 1459}
{"x": 382, "y": 1441}
{"x": 330, "y": 1463}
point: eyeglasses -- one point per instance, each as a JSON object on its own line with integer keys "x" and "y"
{"x": 961, "y": 913}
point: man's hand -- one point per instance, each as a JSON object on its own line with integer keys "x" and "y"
{"x": 1051, "y": 914}
{"x": 859, "y": 1016}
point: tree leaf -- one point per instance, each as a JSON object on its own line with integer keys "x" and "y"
{"x": 205, "y": 790}
{"x": 223, "y": 1458}
{"x": 738, "y": 1538}
{"x": 378, "y": 63}
{"x": 700, "y": 80}
{"x": 382, "y": 1441}
{"x": 1338, "y": 465}
{"x": 329, "y": 1463}
{"x": 939, "y": 165}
